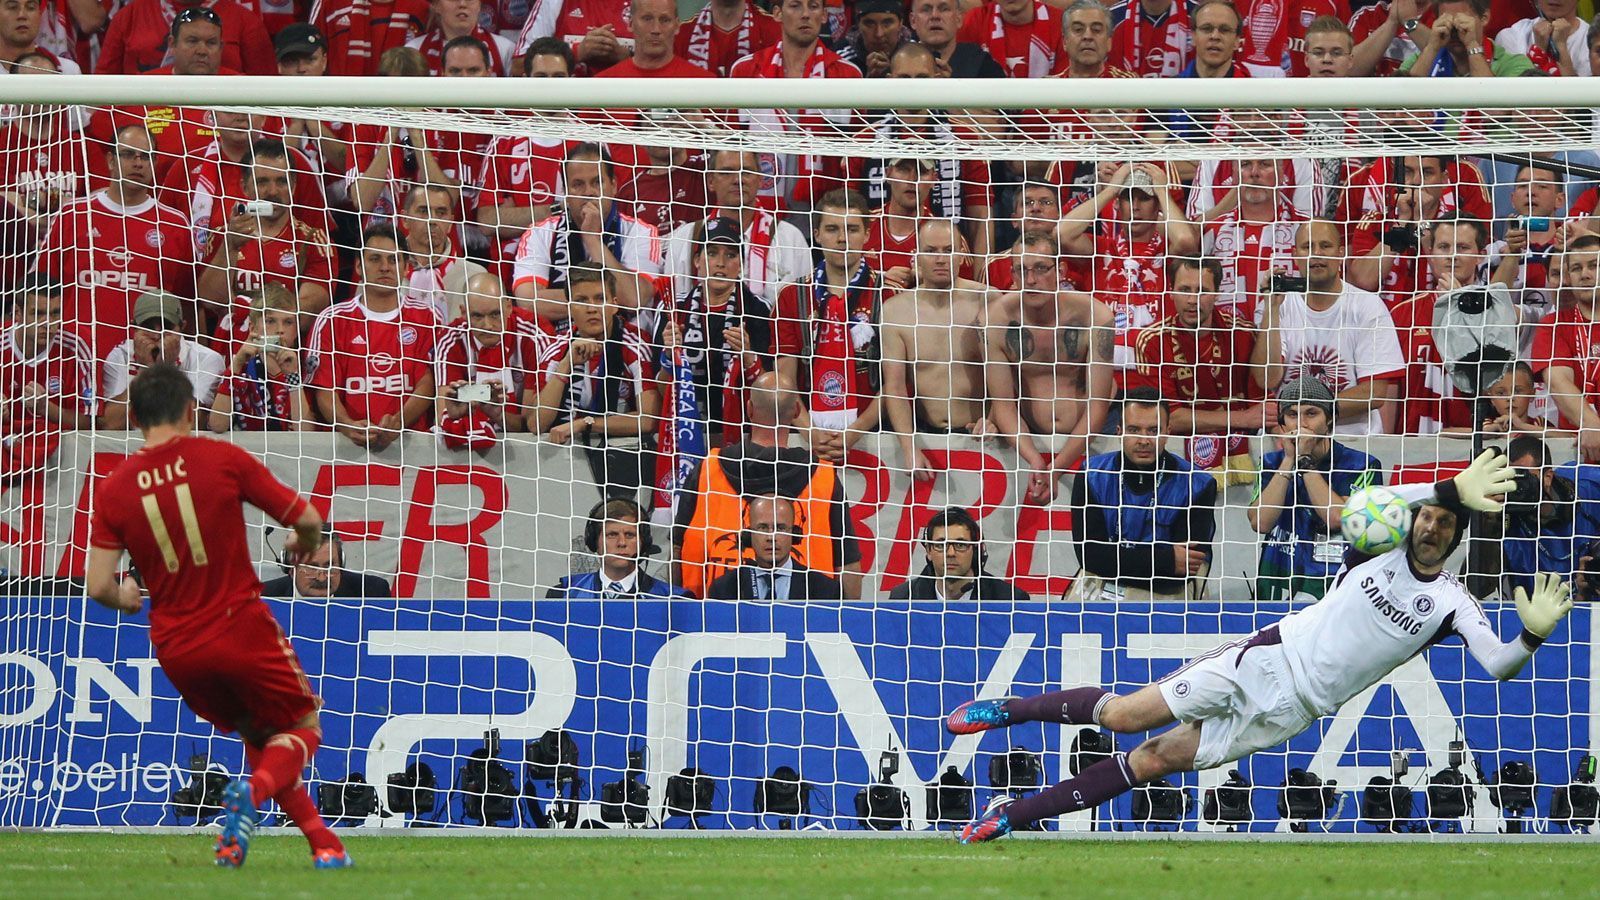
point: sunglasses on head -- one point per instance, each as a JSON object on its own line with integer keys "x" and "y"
{"x": 196, "y": 14}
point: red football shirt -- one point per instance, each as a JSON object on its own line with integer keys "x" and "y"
{"x": 1152, "y": 48}
{"x": 887, "y": 250}
{"x": 44, "y": 172}
{"x": 359, "y": 31}
{"x": 702, "y": 43}
{"x": 669, "y": 196}
{"x": 1024, "y": 51}
{"x": 1275, "y": 30}
{"x": 66, "y": 370}
{"x": 1570, "y": 339}
{"x": 178, "y": 509}
{"x": 372, "y": 361}
{"x": 1208, "y": 366}
{"x": 572, "y": 20}
{"x": 108, "y": 254}
{"x": 138, "y": 39}
{"x": 1428, "y": 399}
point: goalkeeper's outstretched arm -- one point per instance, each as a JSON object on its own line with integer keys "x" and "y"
{"x": 1540, "y": 613}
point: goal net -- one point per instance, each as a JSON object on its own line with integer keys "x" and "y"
{"x": 691, "y": 457}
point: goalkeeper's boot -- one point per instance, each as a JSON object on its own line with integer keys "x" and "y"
{"x": 979, "y": 715}
{"x": 992, "y": 823}
{"x": 329, "y": 858}
{"x": 238, "y": 824}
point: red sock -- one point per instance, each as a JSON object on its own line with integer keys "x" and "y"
{"x": 282, "y": 760}
{"x": 297, "y": 805}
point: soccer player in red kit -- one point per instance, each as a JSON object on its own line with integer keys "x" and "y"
{"x": 176, "y": 507}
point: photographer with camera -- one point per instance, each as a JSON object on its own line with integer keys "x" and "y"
{"x": 1552, "y": 518}
{"x": 1300, "y": 493}
{"x": 1456, "y": 46}
{"x": 1387, "y": 203}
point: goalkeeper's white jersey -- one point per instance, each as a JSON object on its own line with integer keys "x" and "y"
{"x": 1379, "y": 615}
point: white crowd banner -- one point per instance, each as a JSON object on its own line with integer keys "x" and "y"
{"x": 443, "y": 524}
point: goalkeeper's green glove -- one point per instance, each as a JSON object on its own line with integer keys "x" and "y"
{"x": 1550, "y": 603}
{"x": 1489, "y": 478}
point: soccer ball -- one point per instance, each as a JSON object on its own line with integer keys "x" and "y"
{"x": 1375, "y": 520}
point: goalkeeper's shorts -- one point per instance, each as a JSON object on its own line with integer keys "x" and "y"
{"x": 1241, "y": 696}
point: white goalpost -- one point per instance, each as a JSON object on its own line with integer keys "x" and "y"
{"x": 935, "y": 294}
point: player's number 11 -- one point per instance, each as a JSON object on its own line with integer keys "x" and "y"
{"x": 191, "y": 527}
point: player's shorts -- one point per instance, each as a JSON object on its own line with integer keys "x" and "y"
{"x": 249, "y": 673}
{"x": 1241, "y": 696}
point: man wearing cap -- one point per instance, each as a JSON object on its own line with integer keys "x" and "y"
{"x": 720, "y": 328}
{"x": 1300, "y": 492}
{"x": 47, "y": 378}
{"x": 879, "y": 30}
{"x": 303, "y": 52}
{"x": 158, "y": 337}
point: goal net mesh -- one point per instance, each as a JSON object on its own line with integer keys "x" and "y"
{"x": 1128, "y": 363}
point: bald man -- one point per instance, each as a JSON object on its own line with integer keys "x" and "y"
{"x": 489, "y": 349}
{"x": 711, "y": 515}
{"x": 933, "y": 347}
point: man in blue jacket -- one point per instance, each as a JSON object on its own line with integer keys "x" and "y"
{"x": 1143, "y": 518}
{"x": 1300, "y": 493}
{"x": 1551, "y": 518}
{"x": 618, "y": 534}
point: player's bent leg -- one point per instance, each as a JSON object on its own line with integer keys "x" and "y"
{"x": 1165, "y": 754}
{"x": 1143, "y": 710}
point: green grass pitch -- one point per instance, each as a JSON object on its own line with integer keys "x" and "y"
{"x": 178, "y": 867}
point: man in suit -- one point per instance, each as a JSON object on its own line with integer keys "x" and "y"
{"x": 324, "y": 575}
{"x": 768, "y": 574}
{"x": 618, "y": 534}
{"x": 954, "y": 547}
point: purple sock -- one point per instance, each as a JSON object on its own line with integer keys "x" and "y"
{"x": 1090, "y": 788}
{"x": 1077, "y": 706}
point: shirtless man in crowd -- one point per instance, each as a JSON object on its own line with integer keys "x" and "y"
{"x": 933, "y": 348}
{"x": 1049, "y": 367}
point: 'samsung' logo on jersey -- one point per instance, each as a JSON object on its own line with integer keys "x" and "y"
{"x": 1388, "y": 610}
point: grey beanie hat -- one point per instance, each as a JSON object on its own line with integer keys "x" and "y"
{"x": 1303, "y": 390}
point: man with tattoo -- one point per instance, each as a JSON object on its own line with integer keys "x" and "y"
{"x": 1048, "y": 367}
{"x": 933, "y": 348}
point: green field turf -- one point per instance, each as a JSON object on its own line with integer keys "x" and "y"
{"x": 114, "y": 867}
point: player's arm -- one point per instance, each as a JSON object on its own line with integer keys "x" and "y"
{"x": 102, "y": 585}
{"x": 1540, "y": 614}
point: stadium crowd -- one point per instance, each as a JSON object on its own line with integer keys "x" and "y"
{"x": 371, "y": 279}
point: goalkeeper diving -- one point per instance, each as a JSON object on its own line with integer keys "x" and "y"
{"x": 1257, "y": 692}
